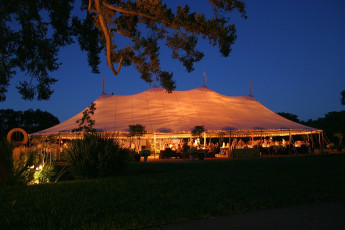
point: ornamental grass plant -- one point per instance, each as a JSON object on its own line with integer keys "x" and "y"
{"x": 28, "y": 167}
{"x": 94, "y": 157}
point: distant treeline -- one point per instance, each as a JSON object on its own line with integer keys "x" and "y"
{"x": 30, "y": 120}
{"x": 333, "y": 123}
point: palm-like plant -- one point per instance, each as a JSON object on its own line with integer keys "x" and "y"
{"x": 137, "y": 131}
{"x": 197, "y": 131}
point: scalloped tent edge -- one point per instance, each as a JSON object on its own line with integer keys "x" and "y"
{"x": 174, "y": 115}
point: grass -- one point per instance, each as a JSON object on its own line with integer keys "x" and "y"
{"x": 160, "y": 193}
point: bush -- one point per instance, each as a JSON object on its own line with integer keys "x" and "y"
{"x": 44, "y": 175}
{"x": 24, "y": 167}
{"x": 134, "y": 156}
{"x": 167, "y": 154}
{"x": 192, "y": 151}
{"x": 27, "y": 169}
{"x": 16, "y": 171}
{"x": 94, "y": 157}
{"x": 145, "y": 152}
{"x": 6, "y": 163}
{"x": 201, "y": 154}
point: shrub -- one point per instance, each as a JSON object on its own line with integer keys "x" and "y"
{"x": 167, "y": 154}
{"x": 6, "y": 163}
{"x": 134, "y": 156}
{"x": 94, "y": 157}
{"x": 145, "y": 152}
{"x": 18, "y": 171}
{"x": 29, "y": 168}
{"x": 24, "y": 167}
{"x": 45, "y": 174}
{"x": 192, "y": 151}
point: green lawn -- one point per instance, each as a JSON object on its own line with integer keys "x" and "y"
{"x": 159, "y": 193}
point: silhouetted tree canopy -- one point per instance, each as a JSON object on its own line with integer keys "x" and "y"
{"x": 30, "y": 120}
{"x": 33, "y": 32}
{"x": 290, "y": 116}
{"x": 331, "y": 123}
{"x": 343, "y": 97}
{"x": 86, "y": 123}
{"x": 137, "y": 130}
{"x": 198, "y": 130}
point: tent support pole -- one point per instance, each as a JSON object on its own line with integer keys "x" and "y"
{"x": 205, "y": 139}
{"x": 312, "y": 142}
{"x": 230, "y": 152}
{"x": 290, "y": 140}
{"x": 252, "y": 138}
{"x": 308, "y": 138}
{"x": 320, "y": 140}
{"x": 154, "y": 145}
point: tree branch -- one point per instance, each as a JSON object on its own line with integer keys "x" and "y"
{"x": 111, "y": 7}
{"x": 89, "y": 6}
{"x": 107, "y": 38}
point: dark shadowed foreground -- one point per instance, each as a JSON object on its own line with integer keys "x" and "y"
{"x": 219, "y": 194}
{"x": 317, "y": 216}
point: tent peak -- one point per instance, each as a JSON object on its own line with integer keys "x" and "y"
{"x": 181, "y": 111}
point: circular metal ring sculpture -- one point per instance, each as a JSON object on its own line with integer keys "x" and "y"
{"x": 17, "y": 143}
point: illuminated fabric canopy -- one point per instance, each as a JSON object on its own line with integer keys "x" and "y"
{"x": 181, "y": 111}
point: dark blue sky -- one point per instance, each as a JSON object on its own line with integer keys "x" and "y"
{"x": 293, "y": 51}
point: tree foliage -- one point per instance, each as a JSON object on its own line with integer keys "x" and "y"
{"x": 331, "y": 123}
{"x": 27, "y": 45}
{"x": 137, "y": 131}
{"x": 198, "y": 130}
{"x": 86, "y": 124}
{"x": 30, "y": 42}
{"x": 30, "y": 120}
{"x": 290, "y": 116}
{"x": 342, "y": 100}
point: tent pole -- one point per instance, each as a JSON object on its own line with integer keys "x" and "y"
{"x": 308, "y": 139}
{"x": 160, "y": 144}
{"x": 230, "y": 152}
{"x": 61, "y": 147}
{"x": 154, "y": 145}
{"x": 320, "y": 140}
{"x": 205, "y": 139}
{"x": 252, "y": 138}
{"x": 290, "y": 140}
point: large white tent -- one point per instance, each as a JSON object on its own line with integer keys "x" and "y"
{"x": 177, "y": 113}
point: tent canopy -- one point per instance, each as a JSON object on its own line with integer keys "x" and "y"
{"x": 180, "y": 111}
